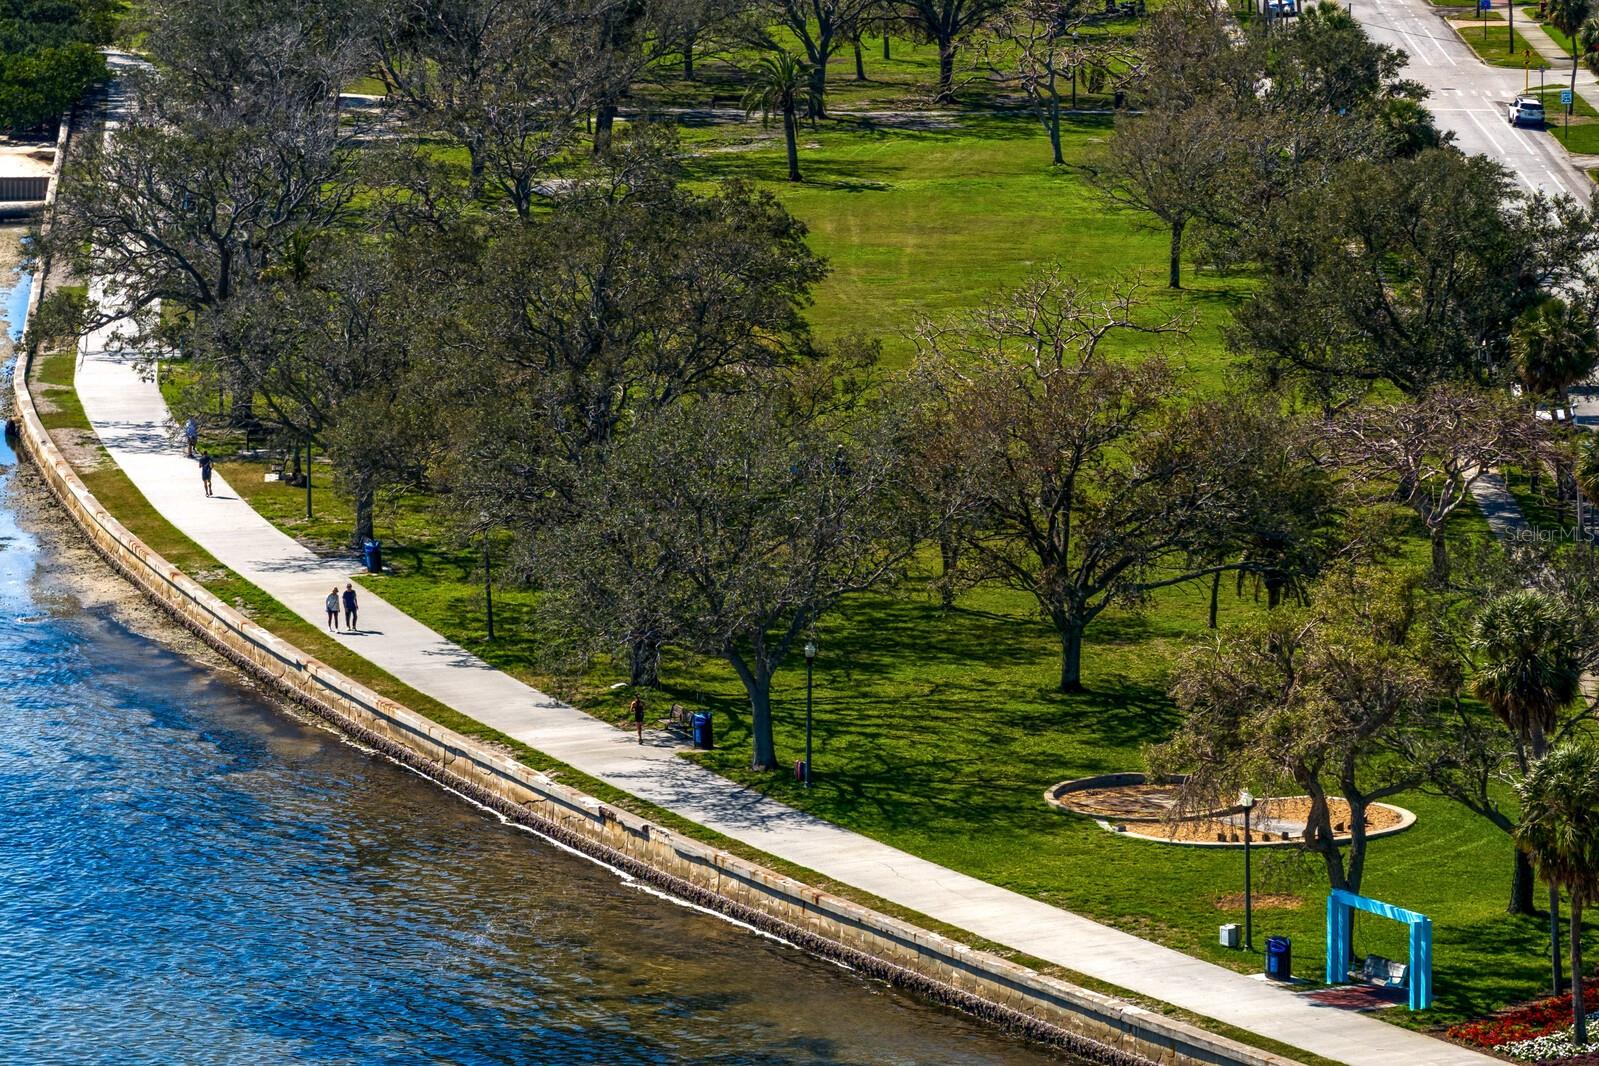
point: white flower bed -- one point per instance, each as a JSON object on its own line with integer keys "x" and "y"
{"x": 1561, "y": 1045}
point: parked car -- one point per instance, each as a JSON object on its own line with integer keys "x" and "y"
{"x": 1526, "y": 111}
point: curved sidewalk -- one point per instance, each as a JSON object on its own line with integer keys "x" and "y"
{"x": 128, "y": 413}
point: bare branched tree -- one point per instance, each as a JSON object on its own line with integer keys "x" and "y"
{"x": 1430, "y": 451}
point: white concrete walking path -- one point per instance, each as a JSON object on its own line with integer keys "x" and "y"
{"x": 127, "y": 411}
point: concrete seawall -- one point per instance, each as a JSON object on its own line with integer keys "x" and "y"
{"x": 1097, "y": 1027}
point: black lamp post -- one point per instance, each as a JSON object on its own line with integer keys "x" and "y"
{"x": 1246, "y": 800}
{"x": 810, "y": 663}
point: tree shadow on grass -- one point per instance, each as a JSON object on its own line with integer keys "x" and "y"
{"x": 765, "y": 163}
{"x": 1480, "y": 966}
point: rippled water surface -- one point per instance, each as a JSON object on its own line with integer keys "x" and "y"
{"x": 189, "y": 875}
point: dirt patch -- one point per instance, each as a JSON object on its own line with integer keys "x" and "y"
{"x": 1261, "y": 901}
{"x": 1276, "y": 820}
{"x": 1130, "y": 803}
{"x": 81, "y": 448}
{"x": 1157, "y": 807}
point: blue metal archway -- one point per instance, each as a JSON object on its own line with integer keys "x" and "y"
{"x": 1340, "y": 924}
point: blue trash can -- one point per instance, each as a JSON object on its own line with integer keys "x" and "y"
{"x": 704, "y": 738}
{"x": 372, "y": 555}
{"x": 1279, "y": 958}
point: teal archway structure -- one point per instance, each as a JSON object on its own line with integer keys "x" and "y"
{"x": 1342, "y": 904}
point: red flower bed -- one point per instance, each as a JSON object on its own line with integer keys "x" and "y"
{"x": 1538, "y": 1018}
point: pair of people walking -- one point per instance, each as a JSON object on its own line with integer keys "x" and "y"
{"x": 350, "y": 608}
{"x": 191, "y": 443}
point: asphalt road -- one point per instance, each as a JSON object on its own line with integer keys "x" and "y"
{"x": 1470, "y": 98}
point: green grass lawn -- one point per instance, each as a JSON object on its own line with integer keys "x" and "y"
{"x": 930, "y": 221}
{"x": 937, "y": 731}
{"x": 1581, "y": 134}
{"x": 1542, "y": 509}
{"x": 1492, "y": 41}
{"x": 905, "y": 80}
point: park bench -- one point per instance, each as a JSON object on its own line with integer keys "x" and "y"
{"x": 1384, "y": 973}
{"x": 678, "y": 720}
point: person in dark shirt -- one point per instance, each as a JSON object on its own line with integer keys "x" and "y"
{"x": 637, "y": 707}
{"x": 349, "y": 607}
{"x": 205, "y": 471}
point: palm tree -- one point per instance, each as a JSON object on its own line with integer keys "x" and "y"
{"x": 1555, "y": 346}
{"x": 1560, "y": 831}
{"x": 1570, "y": 17}
{"x": 1586, "y": 470}
{"x": 1531, "y": 668}
{"x": 1588, "y": 38}
{"x": 781, "y": 86}
{"x": 1531, "y": 663}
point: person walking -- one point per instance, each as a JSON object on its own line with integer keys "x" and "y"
{"x": 637, "y": 707}
{"x": 332, "y": 604}
{"x": 205, "y": 471}
{"x": 349, "y": 607}
{"x": 191, "y": 436}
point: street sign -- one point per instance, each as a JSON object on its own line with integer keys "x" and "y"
{"x": 1565, "y": 97}
{"x": 1485, "y": 5}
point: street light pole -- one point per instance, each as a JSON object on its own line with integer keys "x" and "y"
{"x": 810, "y": 663}
{"x": 1246, "y": 800}
{"x": 488, "y": 585}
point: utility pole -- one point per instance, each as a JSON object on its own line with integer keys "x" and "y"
{"x": 810, "y": 663}
{"x": 1246, "y": 800}
{"x": 488, "y": 584}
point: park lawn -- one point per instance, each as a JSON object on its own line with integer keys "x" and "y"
{"x": 1543, "y": 511}
{"x": 52, "y": 372}
{"x": 1582, "y": 136}
{"x": 904, "y": 81}
{"x": 938, "y": 731}
{"x": 1490, "y": 39}
{"x": 937, "y": 219}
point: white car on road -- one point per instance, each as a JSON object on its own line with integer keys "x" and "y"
{"x": 1527, "y": 111}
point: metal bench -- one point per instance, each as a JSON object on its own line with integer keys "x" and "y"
{"x": 678, "y": 720}
{"x": 1384, "y": 973}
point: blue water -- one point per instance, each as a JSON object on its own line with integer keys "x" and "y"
{"x": 189, "y": 874}
{"x": 16, "y": 288}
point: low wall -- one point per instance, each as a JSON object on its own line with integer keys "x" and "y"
{"x": 1096, "y": 1027}
{"x": 29, "y": 189}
